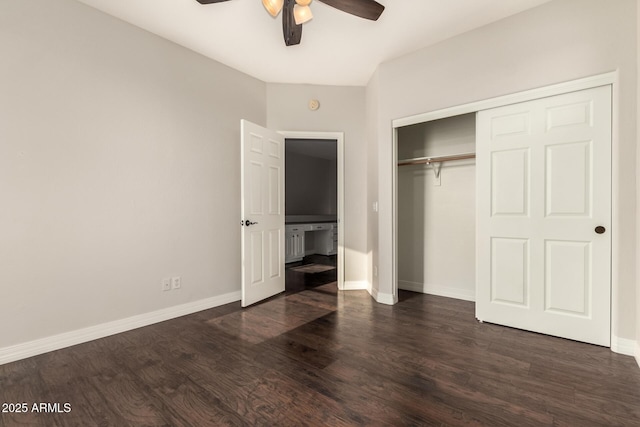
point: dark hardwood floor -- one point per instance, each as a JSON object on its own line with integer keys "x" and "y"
{"x": 318, "y": 357}
{"x": 296, "y": 281}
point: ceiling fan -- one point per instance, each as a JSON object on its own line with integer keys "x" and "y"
{"x": 297, "y": 12}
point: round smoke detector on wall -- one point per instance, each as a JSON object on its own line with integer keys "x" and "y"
{"x": 314, "y": 104}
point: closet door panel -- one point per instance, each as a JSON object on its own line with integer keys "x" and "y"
{"x": 567, "y": 279}
{"x": 510, "y": 182}
{"x": 568, "y": 185}
{"x": 544, "y": 215}
{"x": 510, "y": 271}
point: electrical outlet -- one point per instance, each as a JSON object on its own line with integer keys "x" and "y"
{"x": 176, "y": 282}
{"x": 166, "y": 284}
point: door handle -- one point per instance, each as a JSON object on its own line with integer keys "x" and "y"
{"x": 249, "y": 223}
{"x": 600, "y": 229}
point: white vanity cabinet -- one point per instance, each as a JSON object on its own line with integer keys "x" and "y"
{"x": 294, "y": 242}
{"x": 327, "y": 241}
{"x": 325, "y": 238}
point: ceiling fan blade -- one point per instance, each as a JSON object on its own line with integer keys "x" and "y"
{"x": 210, "y": 1}
{"x": 290, "y": 30}
{"x": 367, "y": 9}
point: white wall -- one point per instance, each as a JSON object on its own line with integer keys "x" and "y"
{"x": 436, "y": 223}
{"x": 118, "y": 166}
{"x": 559, "y": 41}
{"x": 342, "y": 109}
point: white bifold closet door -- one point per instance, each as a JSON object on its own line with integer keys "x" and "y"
{"x": 544, "y": 215}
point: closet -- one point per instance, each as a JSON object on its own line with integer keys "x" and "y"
{"x": 524, "y": 228}
{"x": 436, "y": 207}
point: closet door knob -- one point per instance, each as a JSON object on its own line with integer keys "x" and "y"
{"x": 600, "y": 229}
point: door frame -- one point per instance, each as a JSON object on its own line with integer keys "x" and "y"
{"x": 611, "y": 78}
{"x": 339, "y": 137}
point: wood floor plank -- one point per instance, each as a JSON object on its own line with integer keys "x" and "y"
{"x": 320, "y": 357}
{"x": 186, "y": 400}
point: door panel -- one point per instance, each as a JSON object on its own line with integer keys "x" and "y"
{"x": 567, "y": 277}
{"x": 568, "y": 182}
{"x": 510, "y": 182}
{"x": 257, "y": 257}
{"x": 262, "y": 210}
{"x": 510, "y": 125}
{"x": 254, "y": 187}
{"x": 543, "y": 186}
{"x": 510, "y": 271}
{"x": 573, "y": 114}
{"x": 275, "y": 244}
{"x": 275, "y": 176}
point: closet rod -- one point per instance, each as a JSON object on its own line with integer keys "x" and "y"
{"x": 436, "y": 159}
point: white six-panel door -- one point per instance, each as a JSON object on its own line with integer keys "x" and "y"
{"x": 544, "y": 215}
{"x": 262, "y": 210}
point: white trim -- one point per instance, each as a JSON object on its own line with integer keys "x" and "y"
{"x": 68, "y": 339}
{"x": 616, "y": 231}
{"x": 637, "y": 353}
{"x": 623, "y": 345}
{"x": 439, "y": 290}
{"x": 514, "y": 98}
{"x": 383, "y": 298}
{"x": 354, "y": 285}
{"x": 394, "y": 216}
{"x": 339, "y": 137}
{"x": 388, "y": 299}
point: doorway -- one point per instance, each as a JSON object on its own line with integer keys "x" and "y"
{"x": 314, "y": 203}
{"x": 436, "y": 207}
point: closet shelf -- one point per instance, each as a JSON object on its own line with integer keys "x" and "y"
{"x": 435, "y": 159}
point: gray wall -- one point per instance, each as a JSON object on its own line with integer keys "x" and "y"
{"x": 559, "y": 41}
{"x": 118, "y": 167}
{"x": 310, "y": 185}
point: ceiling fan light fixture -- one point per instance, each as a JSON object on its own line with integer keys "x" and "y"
{"x": 303, "y": 2}
{"x": 301, "y": 14}
{"x": 273, "y": 6}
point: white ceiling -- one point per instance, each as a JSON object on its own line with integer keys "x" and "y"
{"x": 336, "y": 49}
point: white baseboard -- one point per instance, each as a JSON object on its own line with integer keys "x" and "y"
{"x": 442, "y": 291}
{"x": 67, "y": 339}
{"x": 637, "y": 355}
{"x": 383, "y": 298}
{"x": 623, "y": 346}
{"x": 355, "y": 285}
{"x": 388, "y": 299}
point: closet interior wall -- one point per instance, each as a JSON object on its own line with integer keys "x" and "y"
{"x": 436, "y": 217}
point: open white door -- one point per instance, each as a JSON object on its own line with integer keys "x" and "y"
{"x": 544, "y": 215}
{"x": 262, "y": 213}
